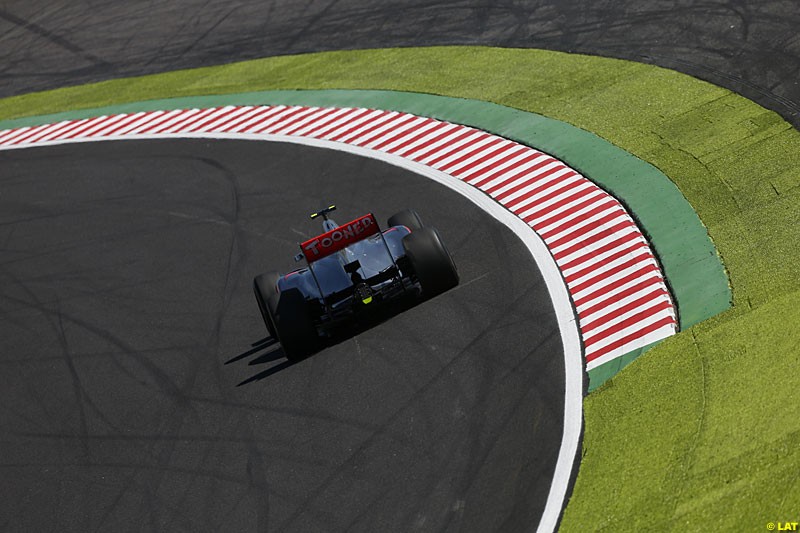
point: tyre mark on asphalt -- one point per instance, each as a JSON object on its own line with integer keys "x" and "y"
{"x": 479, "y": 447}
{"x": 310, "y": 23}
{"x": 258, "y": 484}
{"x": 319, "y": 416}
{"x": 53, "y": 38}
{"x": 56, "y": 321}
{"x": 81, "y": 395}
{"x": 160, "y": 378}
{"x": 237, "y": 255}
{"x": 208, "y": 31}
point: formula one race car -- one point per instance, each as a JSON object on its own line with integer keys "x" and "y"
{"x": 352, "y": 270}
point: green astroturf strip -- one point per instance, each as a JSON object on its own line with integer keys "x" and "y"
{"x": 703, "y": 428}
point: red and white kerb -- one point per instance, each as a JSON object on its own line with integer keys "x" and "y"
{"x": 617, "y": 287}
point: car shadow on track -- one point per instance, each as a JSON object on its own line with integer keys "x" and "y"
{"x": 274, "y": 353}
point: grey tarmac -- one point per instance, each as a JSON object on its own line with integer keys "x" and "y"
{"x": 138, "y": 391}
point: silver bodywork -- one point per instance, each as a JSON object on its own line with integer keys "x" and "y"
{"x": 330, "y": 282}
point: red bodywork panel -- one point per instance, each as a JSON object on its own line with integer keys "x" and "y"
{"x": 339, "y": 238}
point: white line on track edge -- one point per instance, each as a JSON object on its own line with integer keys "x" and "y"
{"x": 556, "y": 287}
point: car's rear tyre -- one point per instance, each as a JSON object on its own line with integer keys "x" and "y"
{"x": 264, "y": 286}
{"x": 432, "y": 263}
{"x": 408, "y": 218}
{"x": 295, "y": 326}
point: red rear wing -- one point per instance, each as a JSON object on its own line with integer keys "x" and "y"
{"x": 339, "y": 238}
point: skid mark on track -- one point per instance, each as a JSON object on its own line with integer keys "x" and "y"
{"x": 53, "y": 38}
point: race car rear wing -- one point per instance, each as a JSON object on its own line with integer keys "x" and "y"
{"x": 339, "y": 238}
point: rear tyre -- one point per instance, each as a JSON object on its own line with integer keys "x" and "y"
{"x": 265, "y": 287}
{"x": 295, "y": 326}
{"x": 432, "y": 263}
{"x": 408, "y": 218}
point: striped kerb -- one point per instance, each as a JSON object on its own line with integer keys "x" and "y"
{"x": 616, "y": 285}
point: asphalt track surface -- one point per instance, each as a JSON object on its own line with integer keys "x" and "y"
{"x": 131, "y": 396}
{"x": 751, "y": 47}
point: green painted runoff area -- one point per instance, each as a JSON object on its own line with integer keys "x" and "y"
{"x": 703, "y": 429}
{"x": 690, "y": 263}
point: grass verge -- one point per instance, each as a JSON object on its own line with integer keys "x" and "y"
{"x": 702, "y": 429}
